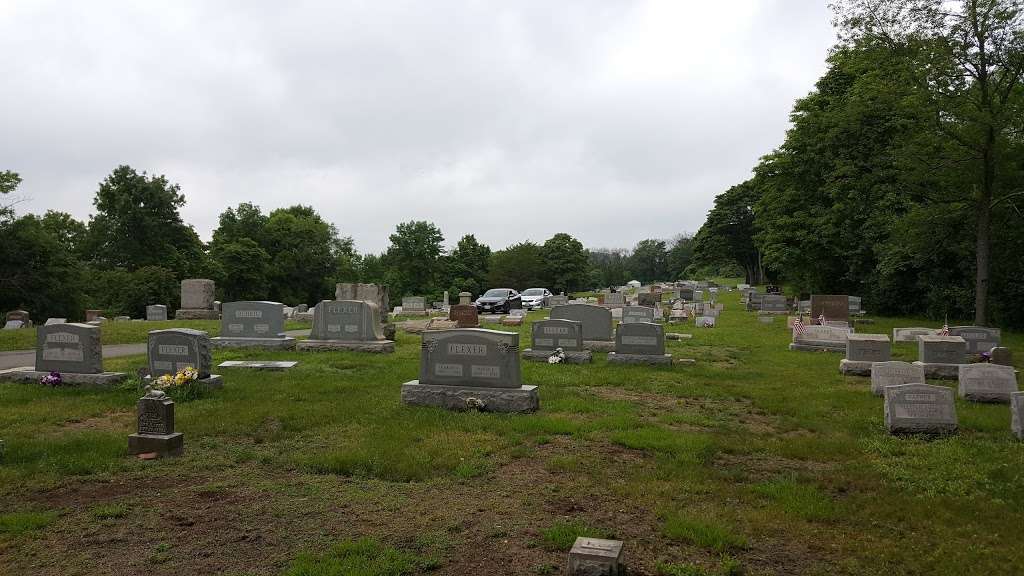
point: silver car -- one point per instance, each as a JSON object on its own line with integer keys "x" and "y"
{"x": 534, "y": 298}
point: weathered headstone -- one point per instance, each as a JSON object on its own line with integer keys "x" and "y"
{"x": 804, "y": 307}
{"x": 941, "y": 356}
{"x": 820, "y": 339}
{"x": 375, "y": 293}
{"x": 72, "y": 349}
{"x": 774, "y": 304}
{"x": 414, "y": 305}
{"x": 1001, "y": 355}
{"x": 597, "y": 324}
{"x": 465, "y": 298}
{"x": 637, "y": 314}
{"x": 706, "y": 321}
{"x": 13, "y": 325}
{"x": 52, "y": 321}
{"x": 833, "y": 306}
{"x": 596, "y": 557}
{"x": 910, "y": 334}
{"x": 615, "y": 300}
{"x": 979, "y": 338}
{"x": 640, "y": 343}
{"x": 122, "y": 318}
{"x": 1017, "y": 414}
{"x": 649, "y": 299}
{"x": 855, "y": 303}
{"x": 464, "y": 315}
{"x": 548, "y": 335}
{"x": 987, "y": 383}
{"x": 197, "y": 298}
{"x": 347, "y": 325}
{"x": 253, "y": 324}
{"x": 892, "y": 373}
{"x": 156, "y": 312}
{"x": 92, "y": 315}
{"x": 919, "y": 409}
{"x": 175, "y": 349}
{"x": 471, "y": 368}
{"x": 862, "y": 350}
{"x": 20, "y": 316}
{"x": 156, "y": 427}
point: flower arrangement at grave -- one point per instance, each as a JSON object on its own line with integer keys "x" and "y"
{"x": 184, "y": 376}
{"x": 52, "y": 379}
{"x": 708, "y": 324}
{"x": 556, "y": 357}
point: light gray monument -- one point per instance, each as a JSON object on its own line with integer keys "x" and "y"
{"x": 892, "y": 373}
{"x": 377, "y": 294}
{"x": 832, "y": 306}
{"x": 820, "y": 339}
{"x": 979, "y": 338}
{"x": 941, "y": 356}
{"x": 156, "y": 312}
{"x": 156, "y": 427}
{"x": 52, "y": 321}
{"x": 253, "y": 324}
{"x": 465, "y": 298}
{"x": 615, "y": 300}
{"x": 174, "y": 349}
{"x": 863, "y": 350}
{"x": 987, "y": 383}
{"x": 72, "y": 349}
{"x": 596, "y": 557}
{"x": 632, "y": 314}
{"x": 548, "y": 335}
{"x": 597, "y": 324}
{"x": 347, "y": 325}
{"x": 416, "y": 305}
{"x": 559, "y": 300}
{"x": 1017, "y": 414}
{"x": 910, "y": 334}
{"x": 471, "y": 368}
{"x": 197, "y": 297}
{"x": 774, "y": 304}
{"x": 640, "y": 343}
{"x": 919, "y": 409}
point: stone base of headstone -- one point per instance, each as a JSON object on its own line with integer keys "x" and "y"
{"x": 378, "y": 347}
{"x": 196, "y": 314}
{"x": 303, "y": 317}
{"x": 512, "y": 321}
{"x": 595, "y": 556}
{"x": 599, "y": 345}
{"x": 677, "y": 336}
{"x": 646, "y": 359}
{"x": 212, "y": 381}
{"x": 571, "y": 357}
{"x": 855, "y": 367}
{"x": 30, "y": 375}
{"x": 496, "y": 318}
{"x": 286, "y": 343}
{"x": 275, "y": 365}
{"x": 522, "y": 399}
{"x": 936, "y": 371}
{"x": 819, "y": 347}
{"x": 161, "y": 444}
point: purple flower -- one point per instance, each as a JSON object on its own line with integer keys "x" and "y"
{"x": 52, "y": 379}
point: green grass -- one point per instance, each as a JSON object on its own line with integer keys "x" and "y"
{"x": 363, "y": 557}
{"x": 767, "y": 455}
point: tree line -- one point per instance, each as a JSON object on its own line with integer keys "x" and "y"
{"x": 902, "y": 176}
{"x": 136, "y": 249}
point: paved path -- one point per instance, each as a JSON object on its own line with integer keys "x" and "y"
{"x": 19, "y": 358}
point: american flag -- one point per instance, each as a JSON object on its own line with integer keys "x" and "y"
{"x": 945, "y": 330}
{"x": 821, "y": 319}
{"x": 798, "y": 328}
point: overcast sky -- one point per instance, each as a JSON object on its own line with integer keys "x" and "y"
{"x": 612, "y": 121}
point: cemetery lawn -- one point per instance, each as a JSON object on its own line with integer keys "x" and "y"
{"x": 124, "y": 332}
{"x": 756, "y": 460}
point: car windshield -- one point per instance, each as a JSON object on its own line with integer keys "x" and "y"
{"x": 496, "y": 293}
{"x": 534, "y": 292}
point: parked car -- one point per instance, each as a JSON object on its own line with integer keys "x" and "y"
{"x": 499, "y": 301}
{"x": 534, "y": 298}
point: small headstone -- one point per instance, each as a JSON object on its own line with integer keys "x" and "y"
{"x": 705, "y": 321}
{"x": 73, "y": 348}
{"x": 1017, "y": 414}
{"x": 197, "y": 300}
{"x": 637, "y": 314}
{"x": 893, "y": 373}
{"x": 156, "y": 427}
{"x": 414, "y": 305}
{"x": 942, "y": 349}
{"x": 464, "y": 315}
{"x": 52, "y": 321}
{"x": 92, "y": 315}
{"x": 640, "y": 343}
{"x": 820, "y": 338}
{"x": 174, "y": 349}
{"x": 919, "y": 409}
{"x": 20, "y": 316}
{"x": 1000, "y": 355}
{"x": 987, "y": 383}
{"x": 615, "y": 300}
{"x": 465, "y": 298}
{"x": 596, "y": 320}
{"x": 559, "y": 300}
{"x": 347, "y": 325}
{"x": 775, "y": 303}
{"x": 301, "y": 308}
{"x": 554, "y": 333}
{"x": 832, "y": 306}
{"x": 910, "y": 334}
{"x": 868, "y": 348}
{"x": 649, "y": 299}
{"x": 256, "y": 324}
{"x": 596, "y": 557}
{"x": 13, "y": 325}
{"x": 122, "y": 318}
{"x": 979, "y": 338}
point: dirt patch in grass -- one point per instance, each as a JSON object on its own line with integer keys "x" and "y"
{"x": 759, "y": 467}
{"x": 108, "y": 421}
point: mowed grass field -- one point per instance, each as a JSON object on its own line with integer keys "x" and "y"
{"x": 755, "y": 460}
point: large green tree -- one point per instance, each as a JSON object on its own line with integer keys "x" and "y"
{"x": 519, "y": 266}
{"x": 727, "y": 235}
{"x": 649, "y": 261}
{"x": 413, "y": 259}
{"x": 565, "y": 263}
{"x": 468, "y": 265}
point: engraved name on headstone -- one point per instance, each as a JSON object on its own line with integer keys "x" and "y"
{"x": 596, "y": 320}
{"x": 919, "y": 408}
{"x": 176, "y": 348}
{"x": 987, "y": 382}
{"x": 551, "y": 334}
{"x": 892, "y": 373}
{"x": 637, "y": 314}
{"x": 910, "y": 334}
{"x": 868, "y": 348}
{"x": 470, "y": 357}
{"x": 979, "y": 338}
{"x": 73, "y": 348}
{"x": 346, "y": 320}
{"x": 647, "y": 338}
{"x": 941, "y": 349}
{"x": 252, "y": 319}
{"x": 464, "y": 315}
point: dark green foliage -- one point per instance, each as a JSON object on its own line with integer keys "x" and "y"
{"x": 413, "y": 259}
{"x": 40, "y": 274}
{"x": 565, "y": 264}
{"x": 468, "y": 265}
{"x": 519, "y": 266}
{"x": 649, "y": 261}
{"x": 727, "y": 236}
{"x": 124, "y": 293}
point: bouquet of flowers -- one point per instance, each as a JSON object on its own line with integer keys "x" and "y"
{"x": 184, "y": 376}
{"x": 52, "y": 379}
{"x": 556, "y": 357}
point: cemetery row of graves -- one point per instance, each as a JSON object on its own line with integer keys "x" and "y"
{"x": 670, "y": 400}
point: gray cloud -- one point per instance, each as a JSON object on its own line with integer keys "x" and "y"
{"x": 613, "y": 121}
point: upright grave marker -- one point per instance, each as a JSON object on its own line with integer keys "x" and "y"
{"x": 415, "y": 305}
{"x": 774, "y": 304}
{"x": 1017, "y": 414}
{"x": 175, "y": 349}
{"x": 892, "y": 373}
{"x": 632, "y": 314}
{"x": 596, "y": 557}
{"x": 548, "y": 335}
{"x": 910, "y": 334}
{"x": 863, "y": 350}
{"x": 72, "y": 349}
{"x": 347, "y": 325}
{"x": 640, "y": 343}
{"x": 941, "y": 356}
{"x": 987, "y": 383}
{"x": 820, "y": 339}
{"x": 156, "y": 427}
{"x": 596, "y": 321}
{"x": 615, "y": 300}
{"x": 919, "y": 409}
{"x": 253, "y": 324}
{"x": 832, "y": 306}
{"x": 979, "y": 338}
{"x": 471, "y": 368}
{"x": 155, "y": 312}
{"x": 197, "y": 297}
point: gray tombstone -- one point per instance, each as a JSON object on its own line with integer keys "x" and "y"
{"x": 559, "y": 300}
{"x": 919, "y": 408}
{"x": 855, "y": 302}
{"x": 832, "y": 306}
{"x": 804, "y": 307}
{"x": 910, "y": 334}
{"x": 893, "y": 373}
{"x": 73, "y": 348}
{"x": 775, "y": 303}
{"x": 347, "y": 325}
{"x": 1017, "y": 414}
{"x": 302, "y": 308}
{"x": 13, "y": 325}
{"x": 549, "y": 335}
{"x": 942, "y": 349}
{"x": 465, "y": 298}
{"x": 174, "y": 349}
{"x": 596, "y": 557}
{"x": 252, "y": 319}
{"x": 640, "y": 343}
{"x": 156, "y": 427}
{"x": 979, "y": 338}
{"x": 1001, "y": 355}
{"x": 615, "y": 300}
{"x": 414, "y": 305}
{"x": 862, "y": 350}
{"x": 649, "y": 299}
{"x": 820, "y": 338}
{"x": 632, "y": 314}
{"x": 987, "y": 383}
{"x": 52, "y": 321}
{"x": 596, "y": 320}
{"x": 471, "y": 368}
{"x": 197, "y": 300}
{"x": 156, "y": 313}
{"x": 378, "y": 294}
